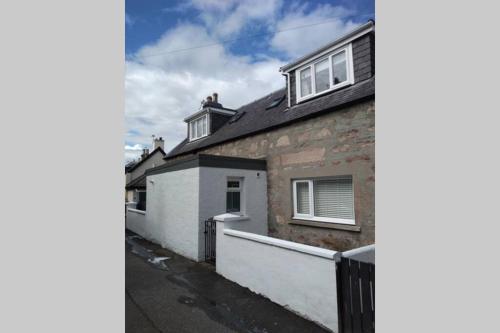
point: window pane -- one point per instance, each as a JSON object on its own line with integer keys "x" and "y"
{"x": 339, "y": 68}
{"x": 204, "y": 123}
{"x": 303, "y": 198}
{"x": 198, "y": 128}
{"x": 233, "y": 184}
{"x": 322, "y": 75}
{"x": 333, "y": 198}
{"x": 193, "y": 129}
{"x": 305, "y": 82}
{"x": 232, "y": 202}
{"x": 141, "y": 204}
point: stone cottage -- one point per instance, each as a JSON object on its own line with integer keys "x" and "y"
{"x": 317, "y": 136}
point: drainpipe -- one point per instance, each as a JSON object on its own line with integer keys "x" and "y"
{"x": 288, "y": 87}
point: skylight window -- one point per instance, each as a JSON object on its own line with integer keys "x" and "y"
{"x": 328, "y": 73}
{"x": 276, "y": 102}
{"x": 236, "y": 117}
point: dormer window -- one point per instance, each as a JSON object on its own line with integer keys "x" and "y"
{"x": 328, "y": 73}
{"x": 198, "y": 128}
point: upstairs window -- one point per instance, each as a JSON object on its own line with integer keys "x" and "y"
{"x": 324, "y": 200}
{"x": 198, "y": 128}
{"x": 330, "y": 72}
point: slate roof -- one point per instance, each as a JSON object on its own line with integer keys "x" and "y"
{"x": 257, "y": 119}
{"x": 132, "y": 168}
{"x": 139, "y": 183}
{"x": 130, "y": 165}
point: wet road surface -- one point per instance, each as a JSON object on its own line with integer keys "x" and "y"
{"x": 166, "y": 292}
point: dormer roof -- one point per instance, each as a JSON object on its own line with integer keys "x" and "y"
{"x": 356, "y": 33}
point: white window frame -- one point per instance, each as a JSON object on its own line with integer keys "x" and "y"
{"x": 234, "y": 189}
{"x": 350, "y": 74}
{"x": 311, "y": 217}
{"x": 193, "y": 124}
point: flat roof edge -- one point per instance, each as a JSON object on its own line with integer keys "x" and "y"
{"x": 211, "y": 161}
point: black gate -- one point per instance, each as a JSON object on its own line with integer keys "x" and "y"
{"x": 210, "y": 228}
{"x": 356, "y": 296}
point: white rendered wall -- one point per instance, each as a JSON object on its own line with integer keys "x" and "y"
{"x": 172, "y": 214}
{"x": 136, "y": 221}
{"x": 213, "y": 184}
{"x": 302, "y": 278}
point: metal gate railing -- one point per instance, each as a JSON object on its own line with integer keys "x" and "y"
{"x": 356, "y": 296}
{"x": 210, "y": 236}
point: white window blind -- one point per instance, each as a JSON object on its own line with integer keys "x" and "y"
{"x": 324, "y": 200}
{"x": 334, "y": 198}
{"x": 303, "y": 198}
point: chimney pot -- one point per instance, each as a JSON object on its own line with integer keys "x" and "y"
{"x": 158, "y": 142}
{"x": 209, "y": 98}
{"x": 215, "y": 97}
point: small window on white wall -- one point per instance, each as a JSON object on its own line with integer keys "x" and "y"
{"x": 233, "y": 196}
{"x": 198, "y": 128}
{"x": 324, "y": 200}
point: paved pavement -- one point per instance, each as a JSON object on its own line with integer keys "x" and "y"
{"x": 166, "y": 292}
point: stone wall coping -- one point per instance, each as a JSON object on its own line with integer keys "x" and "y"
{"x": 312, "y": 250}
{"x": 138, "y": 211}
{"x": 228, "y": 217}
{"x": 363, "y": 249}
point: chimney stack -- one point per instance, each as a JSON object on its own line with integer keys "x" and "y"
{"x": 215, "y": 97}
{"x": 145, "y": 153}
{"x": 158, "y": 142}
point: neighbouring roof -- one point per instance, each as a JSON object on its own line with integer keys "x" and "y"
{"x": 137, "y": 183}
{"x": 129, "y": 165}
{"x": 258, "y": 119}
{"x": 132, "y": 168}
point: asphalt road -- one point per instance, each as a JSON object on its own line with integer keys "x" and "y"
{"x": 179, "y": 295}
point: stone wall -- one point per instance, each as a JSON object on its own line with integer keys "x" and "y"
{"x": 337, "y": 143}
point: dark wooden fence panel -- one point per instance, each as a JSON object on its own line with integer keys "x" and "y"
{"x": 356, "y": 296}
{"x": 210, "y": 237}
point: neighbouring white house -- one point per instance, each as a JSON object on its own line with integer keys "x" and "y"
{"x": 135, "y": 185}
{"x": 182, "y": 194}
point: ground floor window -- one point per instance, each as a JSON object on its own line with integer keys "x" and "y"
{"x": 324, "y": 199}
{"x": 141, "y": 200}
{"x": 233, "y": 196}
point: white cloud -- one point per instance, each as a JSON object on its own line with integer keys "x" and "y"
{"x": 161, "y": 91}
{"x": 228, "y": 18}
{"x": 298, "y": 42}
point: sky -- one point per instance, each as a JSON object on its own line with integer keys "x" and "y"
{"x": 179, "y": 52}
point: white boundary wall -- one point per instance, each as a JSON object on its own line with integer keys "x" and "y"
{"x": 136, "y": 221}
{"x": 299, "y": 277}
